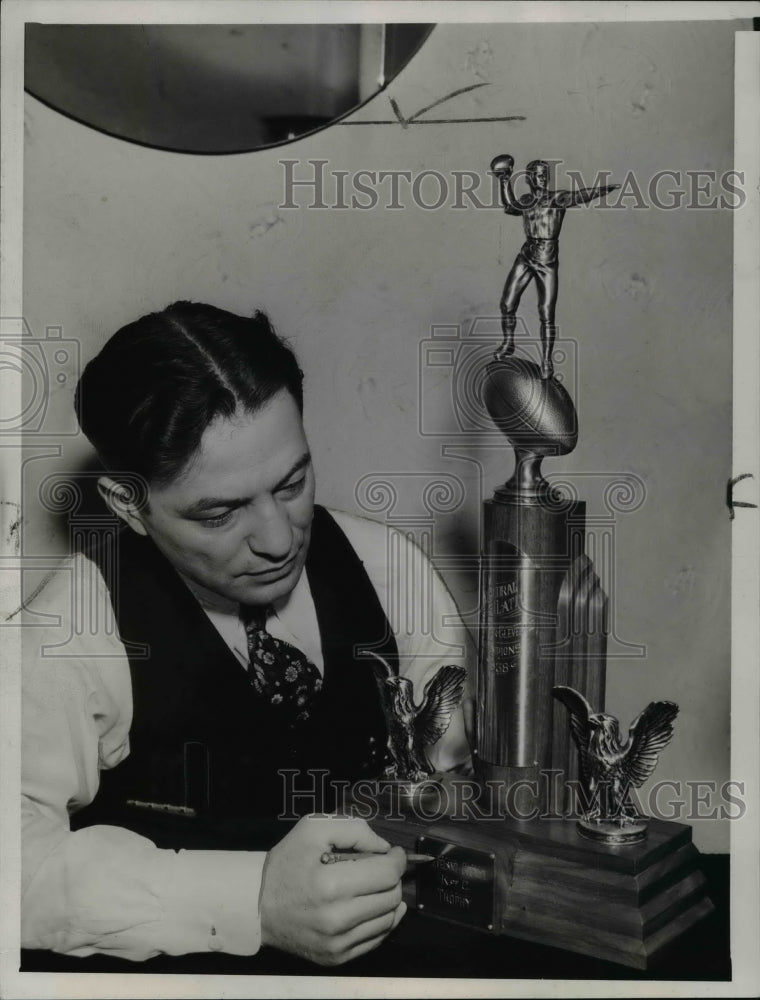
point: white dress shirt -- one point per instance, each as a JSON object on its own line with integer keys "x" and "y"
{"x": 107, "y": 890}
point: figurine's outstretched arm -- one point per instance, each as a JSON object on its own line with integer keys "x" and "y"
{"x": 503, "y": 165}
{"x": 582, "y": 196}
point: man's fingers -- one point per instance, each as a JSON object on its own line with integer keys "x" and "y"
{"x": 347, "y": 833}
{"x": 378, "y": 928}
{"x": 345, "y": 916}
{"x": 370, "y": 934}
{"x": 398, "y": 915}
{"x": 366, "y": 876}
{"x": 308, "y": 907}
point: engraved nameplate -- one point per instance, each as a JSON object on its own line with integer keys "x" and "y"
{"x": 459, "y": 885}
{"x": 511, "y": 594}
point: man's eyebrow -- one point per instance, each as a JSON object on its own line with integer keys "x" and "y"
{"x": 230, "y": 503}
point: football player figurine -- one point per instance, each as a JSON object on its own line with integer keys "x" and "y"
{"x": 542, "y": 211}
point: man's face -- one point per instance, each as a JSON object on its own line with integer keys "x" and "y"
{"x": 237, "y": 520}
{"x": 538, "y": 178}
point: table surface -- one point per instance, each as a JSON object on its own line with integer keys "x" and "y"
{"x": 422, "y": 946}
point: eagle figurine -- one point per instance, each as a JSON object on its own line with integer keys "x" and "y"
{"x": 412, "y": 728}
{"x": 609, "y": 765}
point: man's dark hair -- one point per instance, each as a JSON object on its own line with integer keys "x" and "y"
{"x": 145, "y": 400}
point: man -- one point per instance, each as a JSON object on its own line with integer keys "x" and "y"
{"x": 543, "y": 212}
{"x": 154, "y": 758}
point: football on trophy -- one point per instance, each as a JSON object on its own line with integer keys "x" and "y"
{"x": 535, "y": 414}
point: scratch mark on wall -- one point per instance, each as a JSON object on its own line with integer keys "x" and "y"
{"x": 640, "y": 98}
{"x": 478, "y": 60}
{"x": 35, "y": 593}
{"x": 13, "y": 534}
{"x": 366, "y": 385}
{"x": 637, "y": 286}
{"x": 683, "y": 582}
{"x": 623, "y": 281}
{"x": 269, "y": 221}
{"x": 416, "y": 118}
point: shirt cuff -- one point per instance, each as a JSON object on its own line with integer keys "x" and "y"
{"x": 211, "y": 902}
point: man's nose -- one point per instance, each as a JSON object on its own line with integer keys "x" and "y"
{"x": 270, "y": 534}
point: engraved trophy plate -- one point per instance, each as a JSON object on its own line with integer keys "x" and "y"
{"x": 459, "y": 885}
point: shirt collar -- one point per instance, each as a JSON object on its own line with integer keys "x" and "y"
{"x": 212, "y": 601}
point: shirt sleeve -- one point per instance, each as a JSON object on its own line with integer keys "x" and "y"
{"x": 104, "y": 889}
{"x": 424, "y": 618}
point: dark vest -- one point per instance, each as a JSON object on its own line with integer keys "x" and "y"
{"x": 202, "y": 743}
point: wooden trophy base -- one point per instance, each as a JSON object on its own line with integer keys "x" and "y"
{"x": 539, "y": 880}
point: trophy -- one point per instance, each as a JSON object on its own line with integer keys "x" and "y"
{"x": 542, "y": 608}
{"x": 609, "y": 883}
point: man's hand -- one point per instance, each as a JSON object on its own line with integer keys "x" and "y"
{"x": 330, "y": 913}
{"x": 503, "y": 165}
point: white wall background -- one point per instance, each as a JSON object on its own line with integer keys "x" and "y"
{"x": 113, "y": 230}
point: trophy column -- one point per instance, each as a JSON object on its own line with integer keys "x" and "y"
{"x": 528, "y": 550}
{"x": 531, "y": 538}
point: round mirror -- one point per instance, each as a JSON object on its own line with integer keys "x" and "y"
{"x": 204, "y": 88}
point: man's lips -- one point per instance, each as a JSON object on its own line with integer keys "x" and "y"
{"x": 282, "y": 570}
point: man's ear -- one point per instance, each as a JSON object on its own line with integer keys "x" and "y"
{"x": 120, "y": 500}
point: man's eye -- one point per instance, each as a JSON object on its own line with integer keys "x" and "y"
{"x": 217, "y": 519}
{"x": 294, "y": 488}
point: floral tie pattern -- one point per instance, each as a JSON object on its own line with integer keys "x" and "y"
{"x": 278, "y": 671}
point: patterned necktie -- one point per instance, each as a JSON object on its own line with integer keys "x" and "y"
{"x": 278, "y": 671}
